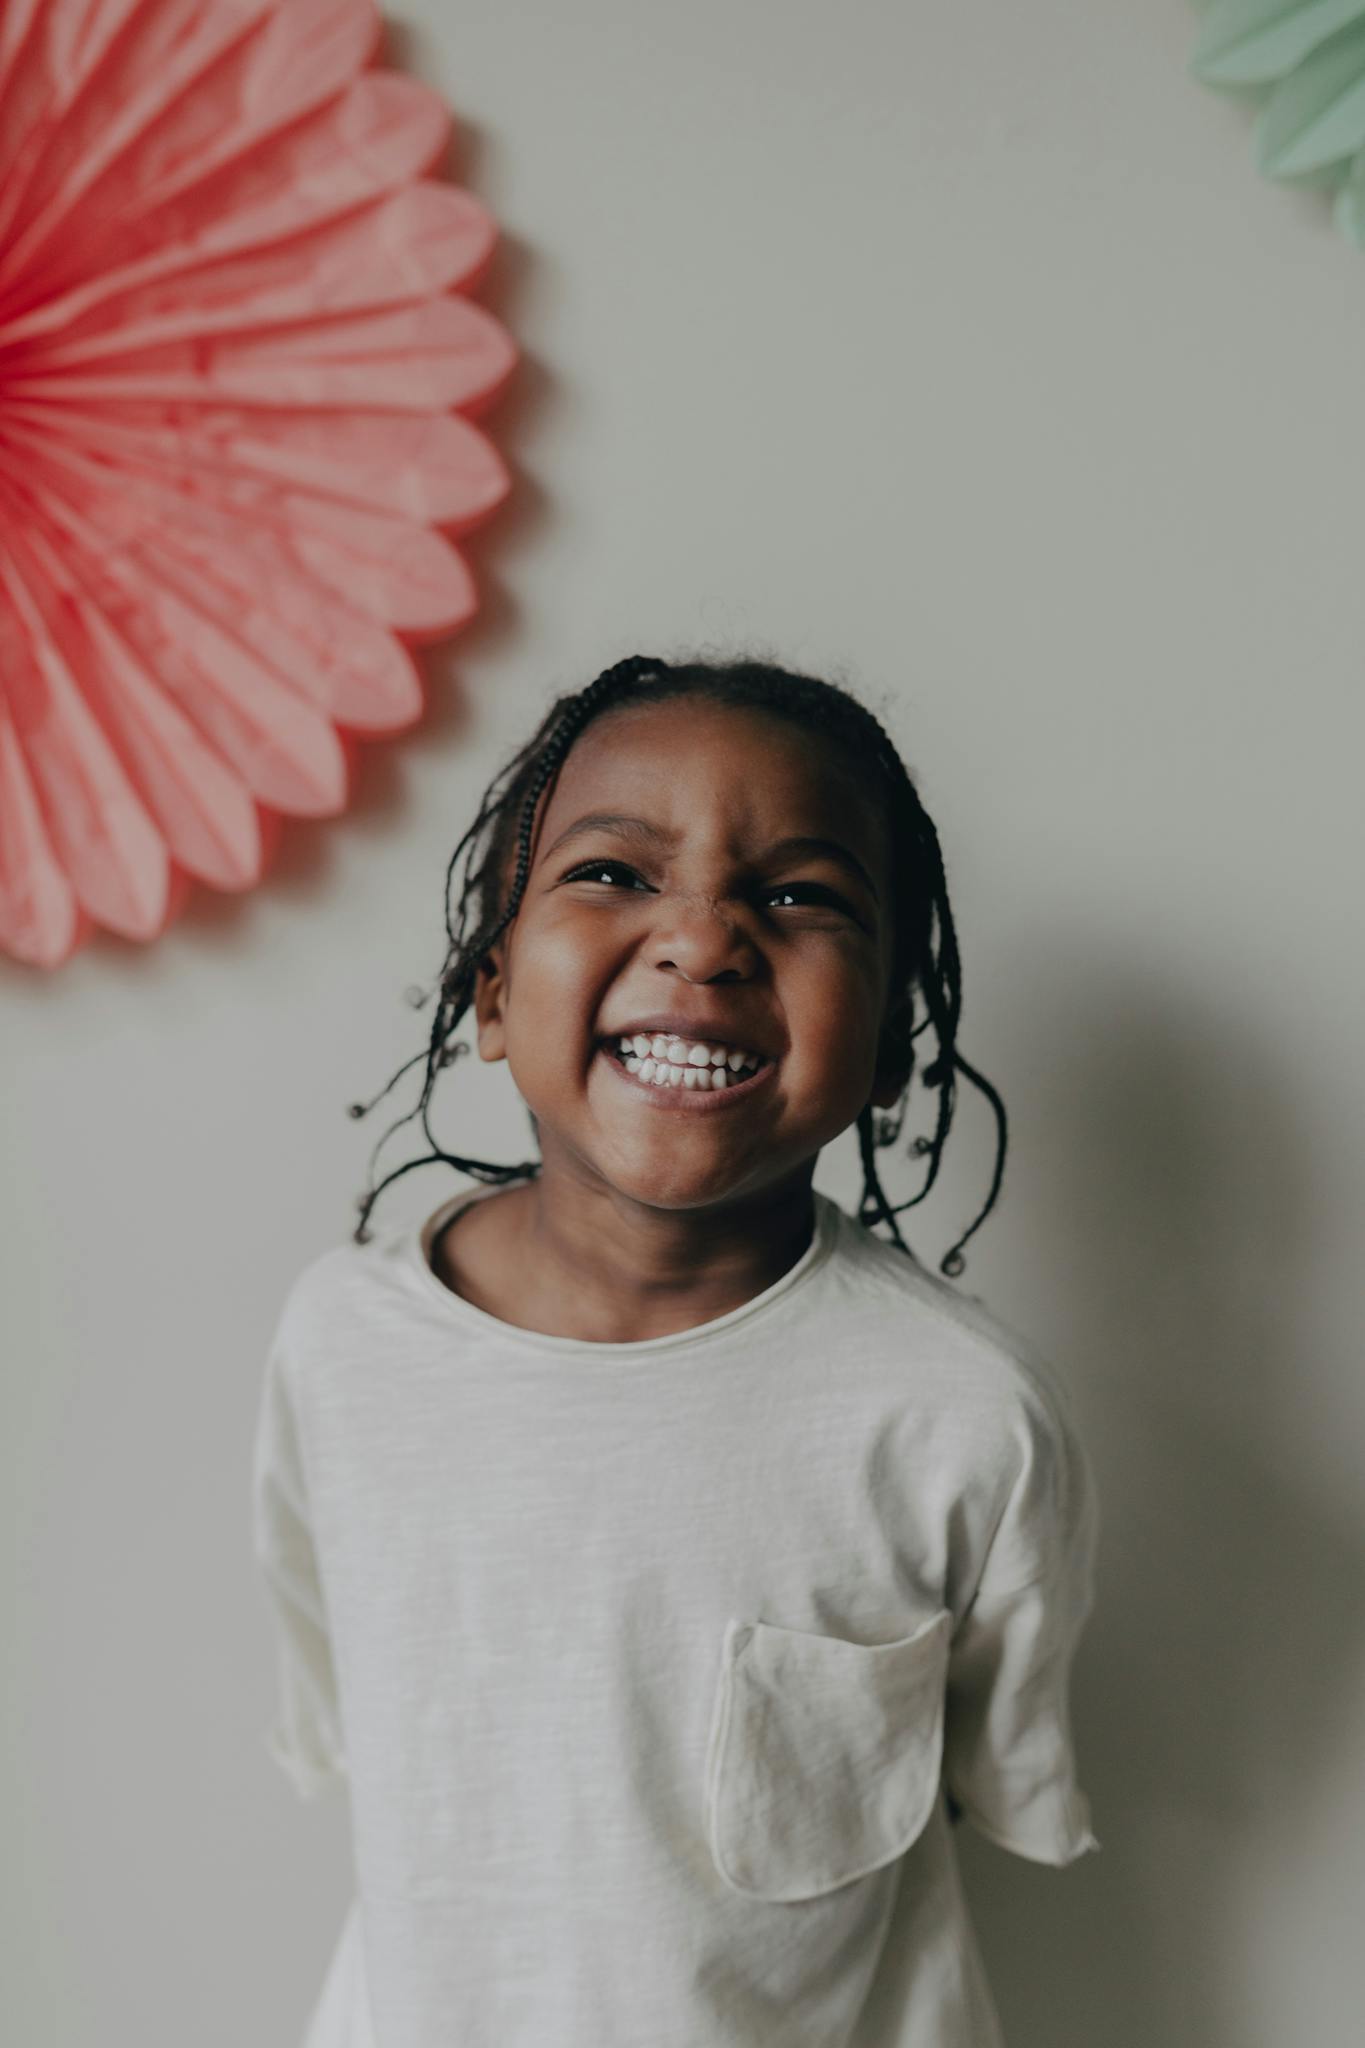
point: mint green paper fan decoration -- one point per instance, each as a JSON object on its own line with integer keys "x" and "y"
{"x": 1303, "y": 63}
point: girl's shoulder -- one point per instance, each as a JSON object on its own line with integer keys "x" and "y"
{"x": 1009, "y": 1412}
{"x": 987, "y": 1357}
{"x": 338, "y": 1282}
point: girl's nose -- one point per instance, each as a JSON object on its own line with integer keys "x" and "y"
{"x": 702, "y": 942}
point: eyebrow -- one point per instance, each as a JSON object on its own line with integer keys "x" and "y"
{"x": 641, "y": 828}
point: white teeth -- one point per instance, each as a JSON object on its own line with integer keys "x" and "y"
{"x": 682, "y": 1052}
{"x": 669, "y": 1062}
{"x": 663, "y": 1074}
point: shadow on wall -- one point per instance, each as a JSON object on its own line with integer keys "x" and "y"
{"x": 1214, "y": 1691}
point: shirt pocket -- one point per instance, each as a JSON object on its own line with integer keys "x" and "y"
{"x": 825, "y": 1755}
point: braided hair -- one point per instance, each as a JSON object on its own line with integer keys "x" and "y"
{"x": 924, "y": 957}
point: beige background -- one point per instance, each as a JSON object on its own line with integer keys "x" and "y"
{"x": 959, "y": 352}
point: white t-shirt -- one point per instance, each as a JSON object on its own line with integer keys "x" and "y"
{"x": 648, "y": 1664}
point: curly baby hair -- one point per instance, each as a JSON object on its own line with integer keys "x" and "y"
{"x": 925, "y": 955}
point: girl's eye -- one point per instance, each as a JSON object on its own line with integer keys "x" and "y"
{"x": 815, "y": 891}
{"x": 593, "y": 868}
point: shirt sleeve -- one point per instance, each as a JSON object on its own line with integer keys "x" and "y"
{"x": 1009, "y": 1758}
{"x": 304, "y": 1737}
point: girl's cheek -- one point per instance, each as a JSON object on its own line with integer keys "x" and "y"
{"x": 562, "y": 954}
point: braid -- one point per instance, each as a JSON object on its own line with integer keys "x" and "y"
{"x": 942, "y": 989}
{"x": 925, "y": 952}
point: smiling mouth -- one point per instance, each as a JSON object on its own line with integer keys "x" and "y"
{"x": 678, "y": 1093}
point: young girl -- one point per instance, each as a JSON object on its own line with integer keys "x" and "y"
{"x": 665, "y": 1559}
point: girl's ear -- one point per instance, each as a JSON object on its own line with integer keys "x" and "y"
{"x": 490, "y": 989}
{"x": 894, "y": 1056}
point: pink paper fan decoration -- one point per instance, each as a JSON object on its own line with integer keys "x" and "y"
{"x": 235, "y": 372}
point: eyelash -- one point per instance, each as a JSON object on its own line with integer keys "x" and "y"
{"x": 830, "y": 896}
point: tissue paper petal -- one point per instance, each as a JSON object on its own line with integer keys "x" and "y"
{"x": 239, "y": 375}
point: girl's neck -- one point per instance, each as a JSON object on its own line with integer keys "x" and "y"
{"x": 572, "y": 1261}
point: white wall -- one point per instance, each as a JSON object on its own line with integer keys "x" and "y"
{"x": 959, "y": 352}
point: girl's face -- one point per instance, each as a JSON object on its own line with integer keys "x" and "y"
{"x": 660, "y": 888}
